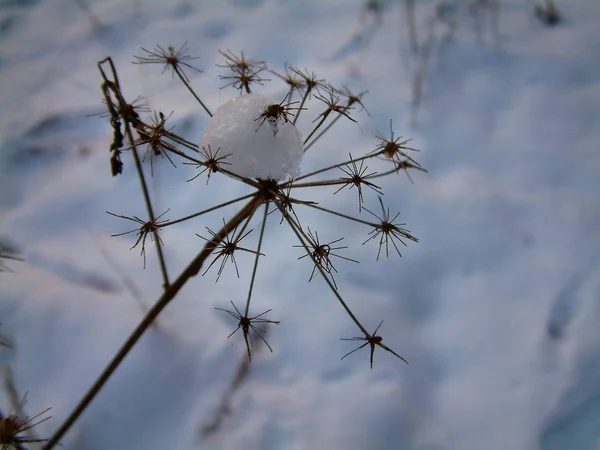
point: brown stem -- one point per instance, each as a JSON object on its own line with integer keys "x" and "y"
{"x": 187, "y": 85}
{"x": 191, "y": 270}
{"x": 299, "y": 234}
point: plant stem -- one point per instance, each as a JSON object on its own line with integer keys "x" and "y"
{"x": 315, "y": 129}
{"x": 304, "y": 97}
{"x": 339, "y": 214}
{"x": 169, "y": 294}
{"x": 260, "y": 240}
{"x": 140, "y": 171}
{"x": 187, "y": 85}
{"x": 298, "y": 231}
{"x": 292, "y": 182}
{"x": 213, "y": 208}
{"x": 322, "y": 132}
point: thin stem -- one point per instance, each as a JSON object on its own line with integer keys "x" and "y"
{"x": 245, "y": 180}
{"x": 396, "y": 169}
{"x": 240, "y": 233}
{"x": 191, "y": 270}
{"x": 184, "y": 155}
{"x": 260, "y": 240}
{"x": 115, "y": 87}
{"x": 213, "y": 208}
{"x": 288, "y": 97}
{"x": 321, "y": 183}
{"x": 182, "y": 141}
{"x": 315, "y": 129}
{"x": 187, "y": 85}
{"x": 322, "y": 132}
{"x": 333, "y": 166}
{"x": 146, "y": 193}
{"x": 304, "y": 97}
{"x": 298, "y": 231}
{"x": 339, "y": 214}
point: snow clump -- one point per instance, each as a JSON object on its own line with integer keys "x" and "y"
{"x": 260, "y": 146}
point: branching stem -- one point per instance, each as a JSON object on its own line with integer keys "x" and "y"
{"x": 298, "y": 231}
{"x": 260, "y": 240}
{"x": 169, "y": 294}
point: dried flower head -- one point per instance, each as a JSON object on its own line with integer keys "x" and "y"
{"x": 388, "y": 231}
{"x": 247, "y": 323}
{"x": 244, "y": 72}
{"x": 16, "y": 429}
{"x": 150, "y": 227}
{"x": 372, "y": 340}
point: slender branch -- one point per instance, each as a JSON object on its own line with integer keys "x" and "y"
{"x": 315, "y": 129}
{"x": 321, "y": 183}
{"x": 337, "y": 117}
{"x": 298, "y": 231}
{"x": 339, "y": 214}
{"x": 398, "y": 167}
{"x": 182, "y": 141}
{"x": 146, "y": 193}
{"x": 260, "y": 240}
{"x": 115, "y": 87}
{"x": 213, "y": 208}
{"x": 187, "y": 85}
{"x": 169, "y": 294}
{"x": 292, "y": 182}
{"x": 304, "y": 97}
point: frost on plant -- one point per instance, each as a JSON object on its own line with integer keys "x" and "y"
{"x": 260, "y": 145}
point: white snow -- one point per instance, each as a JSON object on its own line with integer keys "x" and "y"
{"x": 496, "y": 309}
{"x": 257, "y": 145}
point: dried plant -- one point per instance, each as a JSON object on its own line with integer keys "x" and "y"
{"x": 16, "y": 428}
{"x": 285, "y": 197}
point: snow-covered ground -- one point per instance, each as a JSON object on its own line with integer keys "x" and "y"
{"x": 496, "y": 308}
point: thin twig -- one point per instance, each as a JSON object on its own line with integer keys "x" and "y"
{"x": 299, "y": 233}
{"x": 169, "y": 294}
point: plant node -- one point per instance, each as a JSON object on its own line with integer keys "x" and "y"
{"x": 388, "y": 231}
{"x": 150, "y": 227}
{"x": 246, "y": 323}
{"x": 357, "y": 177}
{"x": 275, "y": 112}
{"x": 212, "y": 162}
{"x": 372, "y": 340}
{"x": 321, "y": 254}
{"x": 268, "y": 189}
{"x": 226, "y": 249}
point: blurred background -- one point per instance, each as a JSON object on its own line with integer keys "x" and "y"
{"x": 496, "y": 308}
